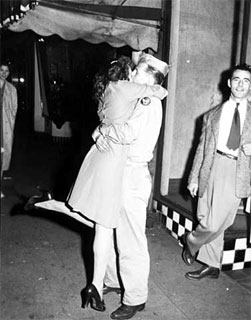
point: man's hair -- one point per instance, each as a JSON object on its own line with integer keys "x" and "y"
{"x": 157, "y": 75}
{"x": 243, "y": 67}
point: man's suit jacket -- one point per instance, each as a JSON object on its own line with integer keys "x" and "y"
{"x": 206, "y": 151}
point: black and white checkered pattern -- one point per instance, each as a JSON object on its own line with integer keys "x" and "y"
{"x": 236, "y": 253}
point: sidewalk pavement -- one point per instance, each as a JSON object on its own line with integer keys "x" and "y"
{"x": 44, "y": 260}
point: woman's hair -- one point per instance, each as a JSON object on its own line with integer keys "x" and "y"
{"x": 5, "y": 63}
{"x": 116, "y": 70}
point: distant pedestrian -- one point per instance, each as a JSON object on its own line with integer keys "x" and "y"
{"x": 8, "y": 103}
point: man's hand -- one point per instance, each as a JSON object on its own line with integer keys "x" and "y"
{"x": 193, "y": 189}
{"x": 102, "y": 144}
{"x": 246, "y": 148}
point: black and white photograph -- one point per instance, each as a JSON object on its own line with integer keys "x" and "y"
{"x": 125, "y": 159}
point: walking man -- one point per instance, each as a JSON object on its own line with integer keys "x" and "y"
{"x": 221, "y": 175}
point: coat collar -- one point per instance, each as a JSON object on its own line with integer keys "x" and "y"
{"x": 216, "y": 113}
{"x": 247, "y": 122}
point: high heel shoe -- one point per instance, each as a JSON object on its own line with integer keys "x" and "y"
{"x": 92, "y": 297}
{"x": 45, "y": 196}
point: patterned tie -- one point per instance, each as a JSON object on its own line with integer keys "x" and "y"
{"x": 235, "y": 132}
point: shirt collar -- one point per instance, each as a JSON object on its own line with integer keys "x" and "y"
{"x": 242, "y": 103}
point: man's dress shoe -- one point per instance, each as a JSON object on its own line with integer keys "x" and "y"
{"x": 126, "y": 312}
{"x": 187, "y": 256}
{"x": 107, "y": 289}
{"x": 204, "y": 272}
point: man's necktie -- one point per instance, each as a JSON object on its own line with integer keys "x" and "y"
{"x": 235, "y": 131}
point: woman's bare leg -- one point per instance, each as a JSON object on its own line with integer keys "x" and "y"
{"x": 103, "y": 240}
{"x": 102, "y": 247}
{"x": 60, "y": 206}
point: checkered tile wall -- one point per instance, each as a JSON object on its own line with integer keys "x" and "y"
{"x": 236, "y": 253}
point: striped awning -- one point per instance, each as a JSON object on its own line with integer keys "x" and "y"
{"x": 12, "y": 11}
{"x": 135, "y": 23}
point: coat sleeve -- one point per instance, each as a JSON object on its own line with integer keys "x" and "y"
{"x": 199, "y": 155}
{"x": 134, "y": 90}
{"x": 14, "y": 100}
{"x": 128, "y": 131}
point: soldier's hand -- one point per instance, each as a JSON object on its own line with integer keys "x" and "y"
{"x": 102, "y": 144}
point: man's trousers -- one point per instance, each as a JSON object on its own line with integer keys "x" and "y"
{"x": 134, "y": 262}
{"x": 216, "y": 212}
